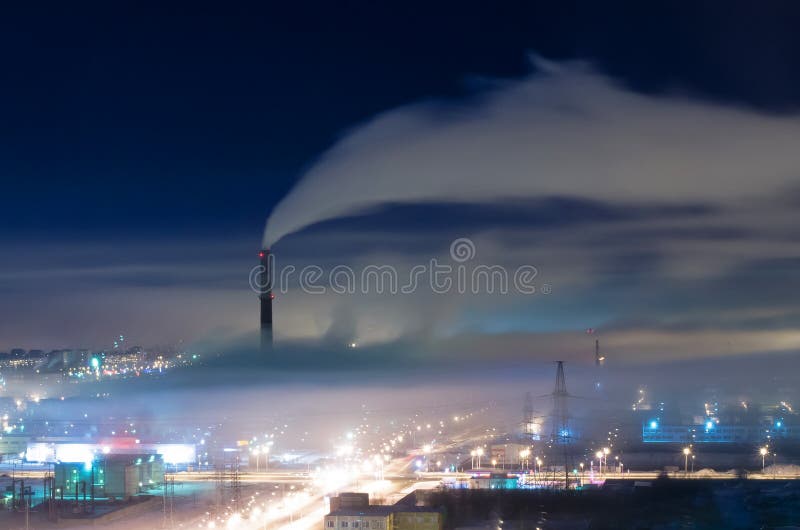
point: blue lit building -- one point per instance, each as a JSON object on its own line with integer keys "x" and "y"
{"x": 713, "y": 432}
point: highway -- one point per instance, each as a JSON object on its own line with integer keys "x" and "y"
{"x": 284, "y": 477}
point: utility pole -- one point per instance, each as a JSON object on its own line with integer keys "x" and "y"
{"x": 168, "y": 498}
{"x": 221, "y": 475}
{"x": 27, "y": 508}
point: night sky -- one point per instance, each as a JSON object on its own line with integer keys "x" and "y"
{"x": 143, "y": 148}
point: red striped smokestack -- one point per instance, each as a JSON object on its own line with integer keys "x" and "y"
{"x": 266, "y": 297}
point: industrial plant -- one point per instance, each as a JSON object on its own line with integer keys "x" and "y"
{"x": 538, "y": 266}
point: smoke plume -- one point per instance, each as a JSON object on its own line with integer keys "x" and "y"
{"x": 564, "y": 131}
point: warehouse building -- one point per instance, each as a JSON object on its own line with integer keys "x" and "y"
{"x": 118, "y": 476}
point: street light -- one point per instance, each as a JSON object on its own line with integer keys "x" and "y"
{"x": 473, "y": 454}
{"x": 686, "y": 453}
{"x": 523, "y": 456}
{"x": 763, "y": 451}
{"x": 581, "y": 464}
{"x": 599, "y": 455}
{"x": 479, "y": 453}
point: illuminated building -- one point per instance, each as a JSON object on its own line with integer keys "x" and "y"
{"x": 121, "y": 476}
{"x": 352, "y": 511}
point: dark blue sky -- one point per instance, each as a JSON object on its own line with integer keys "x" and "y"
{"x": 138, "y": 141}
{"x": 141, "y": 121}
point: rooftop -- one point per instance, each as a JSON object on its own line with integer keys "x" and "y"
{"x": 375, "y": 510}
{"x": 380, "y": 510}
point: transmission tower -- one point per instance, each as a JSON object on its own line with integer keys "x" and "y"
{"x": 220, "y": 472}
{"x": 561, "y": 435}
{"x": 236, "y": 484}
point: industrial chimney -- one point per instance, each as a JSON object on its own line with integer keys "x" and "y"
{"x": 599, "y": 360}
{"x": 266, "y": 296}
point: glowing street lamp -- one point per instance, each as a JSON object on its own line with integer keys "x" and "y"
{"x": 427, "y": 450}
{"x": 686, "y": 453}
{"x": 523, "y": 456}
{"x": 479, "y": 453}
{"x": 763, "y": 452}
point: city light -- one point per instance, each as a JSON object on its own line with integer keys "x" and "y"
{"x": 450, "y": 210}
{"x": 686, "y": 452}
